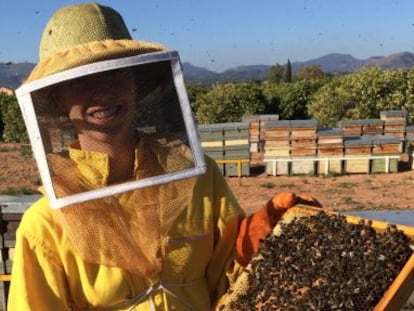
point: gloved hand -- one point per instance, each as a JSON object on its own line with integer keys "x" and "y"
{"x": 257, "y": 226}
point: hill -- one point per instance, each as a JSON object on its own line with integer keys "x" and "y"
{"x": 330, "y": 63}
{"x": 11, "y": 74}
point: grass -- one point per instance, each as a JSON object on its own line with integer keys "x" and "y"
{"x": 331, "y": 175}
{"x": 268, "y": 185}
{"x": 18, "y": 191}
{"x": 26, "y": 151}
{"x": 7, "y": 149}
{"x": 287, "y": 185}
{"x": 347, "y": 185}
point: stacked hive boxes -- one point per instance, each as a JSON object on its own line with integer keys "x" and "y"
{"x": 330, "y": 146}
{"x": 303, "y": 135}
{"x": 409, "y": 144}
{"x": 211, "y": 136}
{"x": 372, "y": 127}
{"x": 394, "y": 123}
{"x": 372, "y": 154}
{"x": 228, "y": 144}
{"x": 357, "y": 150}
{"x": 12, "y": 210}
{"x": 300, "y": 147}
{"x": 352, "y": 128}
{"x": 236, "y": 147}
{"x": 277, "y": 146}
{"x": 290, "y": 146}
{"x": 409, "y": 131}
{"x": 385, "y": 146}
{"x": 257, "y": 134}
{"x": 362, "y": 127}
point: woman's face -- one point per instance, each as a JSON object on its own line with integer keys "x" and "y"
{"x": 101, "y": 106}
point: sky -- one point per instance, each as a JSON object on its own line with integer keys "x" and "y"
{"x": 221, "y": 34}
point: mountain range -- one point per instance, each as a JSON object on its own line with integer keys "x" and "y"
{"x": 11, "y": 74}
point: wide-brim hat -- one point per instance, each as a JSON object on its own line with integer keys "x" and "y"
{"x": 83, "y": 34}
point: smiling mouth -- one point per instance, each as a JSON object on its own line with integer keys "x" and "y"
{"x": 104, "y": 114}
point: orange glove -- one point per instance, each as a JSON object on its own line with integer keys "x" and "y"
{"x": 256, "y": 227}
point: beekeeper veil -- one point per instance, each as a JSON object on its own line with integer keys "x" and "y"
{"x": 122, "y": 223}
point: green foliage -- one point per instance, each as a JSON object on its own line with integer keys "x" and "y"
{"x": 275, "y": 74}
{"x": 363, "y": 95}
{"x": 330, "y": 103}
{"x": 194, "y": 92}
{"x": 310, "y": 72}
{"x": 228, "y": 102}
{"x": 26, "y": 151}
{"x": 290, "y": 100}
{"x": 14, "y": 129}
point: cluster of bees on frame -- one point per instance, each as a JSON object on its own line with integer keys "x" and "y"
{"x": 322, "y": 262}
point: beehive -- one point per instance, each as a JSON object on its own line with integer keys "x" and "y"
{"x": 307, "y": 278}
{"x": 303, "y": 166}
{"x": 303, "y": 139}
{"x": 409, "y": 149}
{"x": 257, "y": 130}
{"x": 330, "y": 136}
{"x": 12, "y": 210}
{"x": 357, "y": 152}
{"x": 330, "y": 150}
{"x": 390, "y": 148}
{"x": 226, "y": 143}
{"x": 352, "y": 128}
{"x": 409, "y": 131}
{"x": 330, "y": 164}
{"x": 236, "y": 147}
{"x": 277, "y": 146}
{"x": 278, "y": 166}
{"x": 303, "y": 128}
{"x": 394, "y": 122}
{"x": 212, "y": 142}
{"x": 372, "y": 127}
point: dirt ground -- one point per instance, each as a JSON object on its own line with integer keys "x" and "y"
{"x": 393, "y": 191}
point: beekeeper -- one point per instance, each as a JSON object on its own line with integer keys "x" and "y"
{"x": 134, "y": 216}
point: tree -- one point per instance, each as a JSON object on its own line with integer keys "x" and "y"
{"x": 290, "y": 100}
{"x": 194, "y": 91}
{"x": 287, "y": 74}
{"x": 310, "y": 72}
{"x": 331, "y": 103}
{"x": 228, "y": 102}
{"x": 14, "y": 129}
{"x": 275, "y": 74}
{"x": 363, "y": 95}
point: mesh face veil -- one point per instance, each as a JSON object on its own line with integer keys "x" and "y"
{"x": 71, "y": 115}
{"x": 145, "y": 97}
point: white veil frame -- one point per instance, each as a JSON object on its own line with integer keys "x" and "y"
{"x": 24, "y": 97}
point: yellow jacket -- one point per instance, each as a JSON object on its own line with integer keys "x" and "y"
{"x": 49, "y": 274}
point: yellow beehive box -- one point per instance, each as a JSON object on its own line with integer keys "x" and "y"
{"x": 331, "y": 164}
